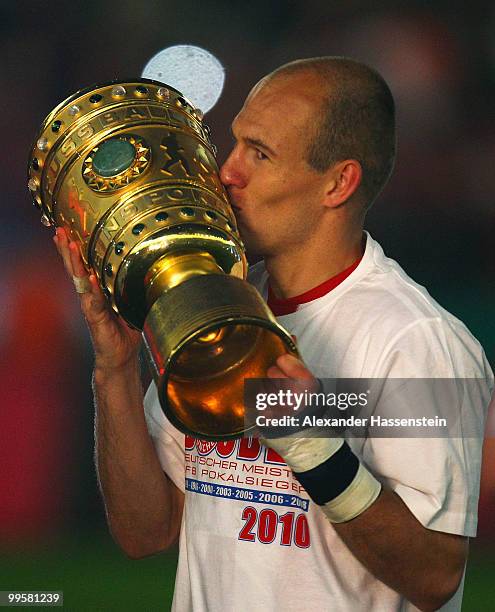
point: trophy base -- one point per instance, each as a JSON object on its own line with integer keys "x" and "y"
{"x": 204, "y": 337}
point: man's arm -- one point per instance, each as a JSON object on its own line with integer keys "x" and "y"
{"x": 144, "y": 507}
{"x": 425, "y": 566}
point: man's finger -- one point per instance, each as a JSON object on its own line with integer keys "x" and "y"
{"x": 99, "y": 301}
{"x": 292, "y": 367}
{"x": 275, "y": 372}
{"x": 62, "y": 244}
{"x": 78, "y": 267}
{"x": 94, "y": 304}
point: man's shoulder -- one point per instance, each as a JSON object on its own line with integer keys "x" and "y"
{"x": 399, "y": 315}
{"x": 390, "y": 297}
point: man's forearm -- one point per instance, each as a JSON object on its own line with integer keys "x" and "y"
{"x": 143, "y": 506}
{"x": 423, "y": 565}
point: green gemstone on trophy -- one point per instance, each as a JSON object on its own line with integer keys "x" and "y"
{"x": 113, "y": 157}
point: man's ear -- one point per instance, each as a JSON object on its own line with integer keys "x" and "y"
{"x": 344, "y": 179}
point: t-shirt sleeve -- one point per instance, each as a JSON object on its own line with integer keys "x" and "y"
{"x": 438, "y": 478}
{"x": 167, "y": 440}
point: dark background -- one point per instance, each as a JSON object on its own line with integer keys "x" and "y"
{"x": 436, "y": 217}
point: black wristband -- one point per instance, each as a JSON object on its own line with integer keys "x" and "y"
{"x": 332, "y": 477}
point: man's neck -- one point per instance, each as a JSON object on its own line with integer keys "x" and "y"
{"x": 296, "y": 271}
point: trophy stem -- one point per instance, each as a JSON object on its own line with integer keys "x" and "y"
{"x": 175, "y": 268}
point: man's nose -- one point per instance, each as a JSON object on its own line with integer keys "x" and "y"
{"x": 231, "y": 173}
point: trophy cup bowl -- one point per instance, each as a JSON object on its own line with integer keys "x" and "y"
{"x": 127, "y": 168}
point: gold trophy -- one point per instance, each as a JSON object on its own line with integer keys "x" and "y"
{"x": 129, "y": 171}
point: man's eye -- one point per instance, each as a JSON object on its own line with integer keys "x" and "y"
{"x": 260, "y": 155}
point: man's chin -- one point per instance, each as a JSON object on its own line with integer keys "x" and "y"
{"x": 252, "y": 242}
{"x": 252, "y": 246}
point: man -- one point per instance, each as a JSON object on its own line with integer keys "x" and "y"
{"x": 314, "y": 145}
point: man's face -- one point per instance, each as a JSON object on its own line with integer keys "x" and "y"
{"x": 275, "y": 194}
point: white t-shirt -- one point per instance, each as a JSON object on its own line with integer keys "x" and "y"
{"x": 251, "y": 539}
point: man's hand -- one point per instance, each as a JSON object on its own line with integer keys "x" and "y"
{"x": 289, "y": 366}
{"x": 115, "y": 343}
{"x": 144, "y": 507}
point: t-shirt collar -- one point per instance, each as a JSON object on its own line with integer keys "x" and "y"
{"x": 281, "y": 307}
